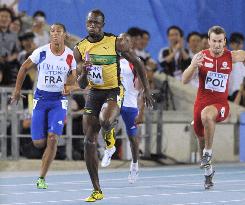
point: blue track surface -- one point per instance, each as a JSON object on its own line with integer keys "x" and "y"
{"x": 167, "y": 185}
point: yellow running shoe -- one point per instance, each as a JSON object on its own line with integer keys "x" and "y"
{"x": 109, "y": 138}
{"x": 96, "y": 195}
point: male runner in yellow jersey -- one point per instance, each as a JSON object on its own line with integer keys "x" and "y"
{"x": 97, "y": 57}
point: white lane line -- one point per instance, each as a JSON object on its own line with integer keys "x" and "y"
{"x": 135, "y": 196}
{"x": 213, "y": 202}
{"x": 128, "y": 187}
{"x": 125, "y": 179}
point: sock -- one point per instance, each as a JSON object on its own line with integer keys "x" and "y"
{"x": 208, "y": 171}
{"x": 41, "y": 177}
{"x": 109, "y": 138}
{"x": 134, "y": 165}
{"x": 209, "y": 151}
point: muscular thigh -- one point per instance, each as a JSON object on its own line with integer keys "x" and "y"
{"x": 223, "y": 111}
{"x": 198, "y": 126}
{"x": 111, "y": 108}
{"x": 98, "y": 100}
{"x": 39, "y": 123}
{"x": 91, "y": 126}
{"x": 56, "y": 117}
{"x": 128, "y": 115}
{"x": 94, "y": 102}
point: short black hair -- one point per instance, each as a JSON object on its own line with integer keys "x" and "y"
{"x": 176, "y": 28}
{"x": 39, "y": 13}
{"x": 145, "y": 32}
{"x": 134, "y": 31}
{"x": 204, "y": 35}
{"x": 193, "y": 33}
{"x": 98, "y": 12}
{"x": 26, "y": 36}
{"x": 17, "y": 19}
{"x": 61, "y": 25}
{"x": 6, "y": 9}
{"x": 236, "y": 37}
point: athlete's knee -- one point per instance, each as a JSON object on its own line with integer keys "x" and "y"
{"x": 40, "y": 144}
{"x": 207, "y": 116}
{"x": 52, "y": 139}
{"x": 89, "y": 141}
{"x": 106, "y": 124}
{"x": 132, "y": 139}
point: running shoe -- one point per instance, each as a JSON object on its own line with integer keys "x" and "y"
{"x": 96, "y": 195}
{"x": 106, "y": 160}
{"x": 41, "y": 184}
{"x": 208, "y": 181}
{"x": 133, "y": 173}
{"x": 206, "y": 160}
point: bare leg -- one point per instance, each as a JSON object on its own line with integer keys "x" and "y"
{"x": 201, "y": 143}
{"x": 49, "y": 154}
{"x": 91, "y": 129}
{"x": 208, "y": 116}
{"x": 134, "y": 148}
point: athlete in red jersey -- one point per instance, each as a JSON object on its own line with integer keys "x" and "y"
{"x": 214, "y": 67}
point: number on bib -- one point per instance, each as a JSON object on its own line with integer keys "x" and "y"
{"x": 95, "y": 75}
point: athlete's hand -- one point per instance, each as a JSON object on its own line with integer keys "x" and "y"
{"x": 197, "y": 60}
{"x": 16, "y": 96}
{"x": 87, "y": 65}
{"x": 66, "y": 90}
{"x": 148, "y": 100}
{"x": 139, "y": 119}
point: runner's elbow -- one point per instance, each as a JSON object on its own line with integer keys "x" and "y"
{"x": 184, "y": 80}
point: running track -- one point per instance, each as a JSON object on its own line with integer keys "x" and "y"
{"x": 166, "y": 185}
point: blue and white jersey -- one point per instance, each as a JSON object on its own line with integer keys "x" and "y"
{"x": 129, "y": 81}
{"x": 52, "y": 69}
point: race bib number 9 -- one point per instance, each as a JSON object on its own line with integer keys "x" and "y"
{"x": 95, "y": 75}
{"x": 216, "y": 81}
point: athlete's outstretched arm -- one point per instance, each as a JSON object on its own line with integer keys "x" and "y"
{"x": 81, "y": 69}
{"x": 238, "y": 56}
{"x": 25, "y": 67}
{"x": 123, "y": 47}
{"x": 189, "y": 72}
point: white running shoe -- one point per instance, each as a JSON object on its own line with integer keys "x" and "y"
{"x": 133, "y": 173}
{"x": 106, "y": 160}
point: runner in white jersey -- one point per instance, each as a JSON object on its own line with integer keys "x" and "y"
{"x": 54, "y": 62}
{"x": 132, "y": 116}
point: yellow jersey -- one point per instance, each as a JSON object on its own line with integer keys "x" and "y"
{"x": 105, "y": 70}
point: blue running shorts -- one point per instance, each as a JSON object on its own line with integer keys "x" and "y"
{"x": 128, "y": 115}
{"x": 48, "y": 116}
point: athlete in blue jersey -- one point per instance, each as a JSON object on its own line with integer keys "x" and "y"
{"x": 55, "y": 62}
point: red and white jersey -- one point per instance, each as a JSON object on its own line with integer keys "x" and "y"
{"x": 52, "y": 69}
{"x": 129, "y": 81}
{"x": 213, "y": 78}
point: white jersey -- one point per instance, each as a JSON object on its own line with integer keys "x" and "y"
{"x": 236, "y": 77}
{"x": 129, "y": 81}
{"x": 52, "y": 69}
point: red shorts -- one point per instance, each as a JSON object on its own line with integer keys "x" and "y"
{"x": 223, "y": 110}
